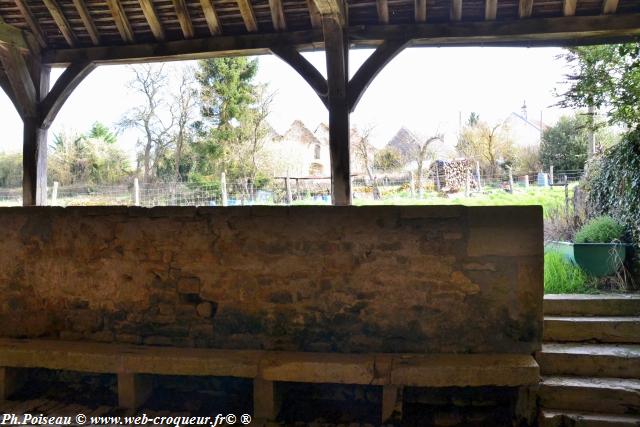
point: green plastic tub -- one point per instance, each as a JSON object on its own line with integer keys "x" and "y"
{"x": 597, "y": 259}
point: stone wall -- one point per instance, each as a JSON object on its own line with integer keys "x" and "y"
{"x": 353, "y": 279}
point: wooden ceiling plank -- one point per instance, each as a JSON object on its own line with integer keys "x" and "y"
{"x": 525, "y": 8}
{"x": 183, "y": 18}
{"x": 88, "y": 23}
{"x": 248, "y": 16}
{"x": 121, "y": 20}
{"x": 152, "y": 19}
{"x": 211, "y": 17}
{"x": 456, "y": 10}
{"x": 61, "y": 22}
{"x": 609, "y": 6}
{"x": 277, "y": 15}
{"x": 383, "y": 11}
{"x": 31, "y": 22}
{"x": 314, "y": 14}
{"x": 420, "y": 10}
{"x": 490, "y": 10}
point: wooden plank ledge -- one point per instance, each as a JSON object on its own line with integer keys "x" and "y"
{"x": 437, "y": 370}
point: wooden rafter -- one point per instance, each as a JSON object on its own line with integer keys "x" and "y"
{"x": 121, "y": 20}
{"x": 61, "y": 22}
{"x": 609, "y": 6}
{"x": 456, "y": 10}
{"x": 31, "y": 22}
{"x": 13, "y": 36}
{"x": 19, "y": 78}
{"x": 88, "y": 23}
{"x": 490, "y": 9}
{"x": 64, "y": 86}
{"x": 420, "y": 10}
{"x": 558, "y": 31}
{"x": 248, "y": 16}
{"x": 211, "y": 17}
{"x": 370, "y": 69}
{"x": 382, "y": 7}
{"x": 277, "y": 15}
{"x": 569, "y": 7}
{"x": 525, "y": 8}
{"x": 152, "y": 19}
{"x": 305, "y": 69}
{"x": 314, "y": 14}
{"x": 183, "y": 18}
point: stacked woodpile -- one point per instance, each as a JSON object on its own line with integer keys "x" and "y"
{"x": 451, "y": 175}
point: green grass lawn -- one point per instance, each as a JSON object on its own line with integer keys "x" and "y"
{"x": 549, "y": 198}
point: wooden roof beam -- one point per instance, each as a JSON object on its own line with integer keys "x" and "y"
{"x": 18, "y": 75}
{"x": 420, "y": 10}
{"x": 525, "y": 8}
{"x": 456, "y": 10}
{"x": 490, "y": 10}
{"x": 121, "y": 20}
{"x": 569, "y": 7}
{"x": 314, "y": 14}
{"x": 609, "y": 6}
{"x": 306, "y": 70}
{"x": 31, "y": 22}
{"x": 211, "y": 17}
{"x": 184, "y": 19}
{"x": 152, "y": 19}
{"x": 10, "y": 35}
{"x": 332, "y": 8}
{"x": 248, "y": 16}
{"x": 61, "y": 22}
{"x": 88, "y": 23}
{"x": 383, "y": 11}
{"x": 277, "y": 15}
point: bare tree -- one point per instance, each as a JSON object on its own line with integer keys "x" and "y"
{"x": 420, "y": 152}
{"x": 363, "y": 150}
{"x": 485, "y": 143}
{"x": 184, "y": 101}
{"x": 149, "y": 81}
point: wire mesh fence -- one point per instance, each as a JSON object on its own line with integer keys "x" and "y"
{"x": 405, "y": 187}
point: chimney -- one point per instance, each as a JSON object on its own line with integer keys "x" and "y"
{"x": 524, "y": 110}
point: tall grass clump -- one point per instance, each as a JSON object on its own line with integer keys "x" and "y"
{"x": 602, "y": 229}
{"x": 562, "y": 277}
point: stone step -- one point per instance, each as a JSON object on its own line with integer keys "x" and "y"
{"x": 592, "y": 305}
{"x": 607, "y": 395}
{"x": 590, "y": 360}
{"x": 594, "y": 329}
{"x": 586, "y": 419}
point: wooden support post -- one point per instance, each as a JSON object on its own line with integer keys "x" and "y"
{"x": 438, "y": 186}
{"x": 54, "y": 193}
{"x": 10, "y": 381}
{"x": 412, "y": 185}
{"x": 136, "y": 192}
{"x": 287, "y": 185}
{"x": 34, "y": 163}
{"x": 551, "y": 175}
{"x": 336, "y": 49}
{"x": 266, "y": 402}
{"x": 467, "y": 183}
{"x": 391, "y": 404}
{"x": 223, "y": 189}
{"x": 133, "y": 390}
{"x": 478, "y": 176}
{"x": 510, "y": 180}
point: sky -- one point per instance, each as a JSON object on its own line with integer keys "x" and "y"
{"x": 426, "y": 90}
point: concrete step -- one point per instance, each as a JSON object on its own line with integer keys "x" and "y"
{"x": 586, "y": 419}
{"x": 592, "y": 305}
{"x": 594, "y": 329}
{"x": 590, "y": 360}
{"x": 606, "y": 395}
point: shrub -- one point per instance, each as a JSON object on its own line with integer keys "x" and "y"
{"x": 602, "y": 229}
{"x": 562, "y": 277}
